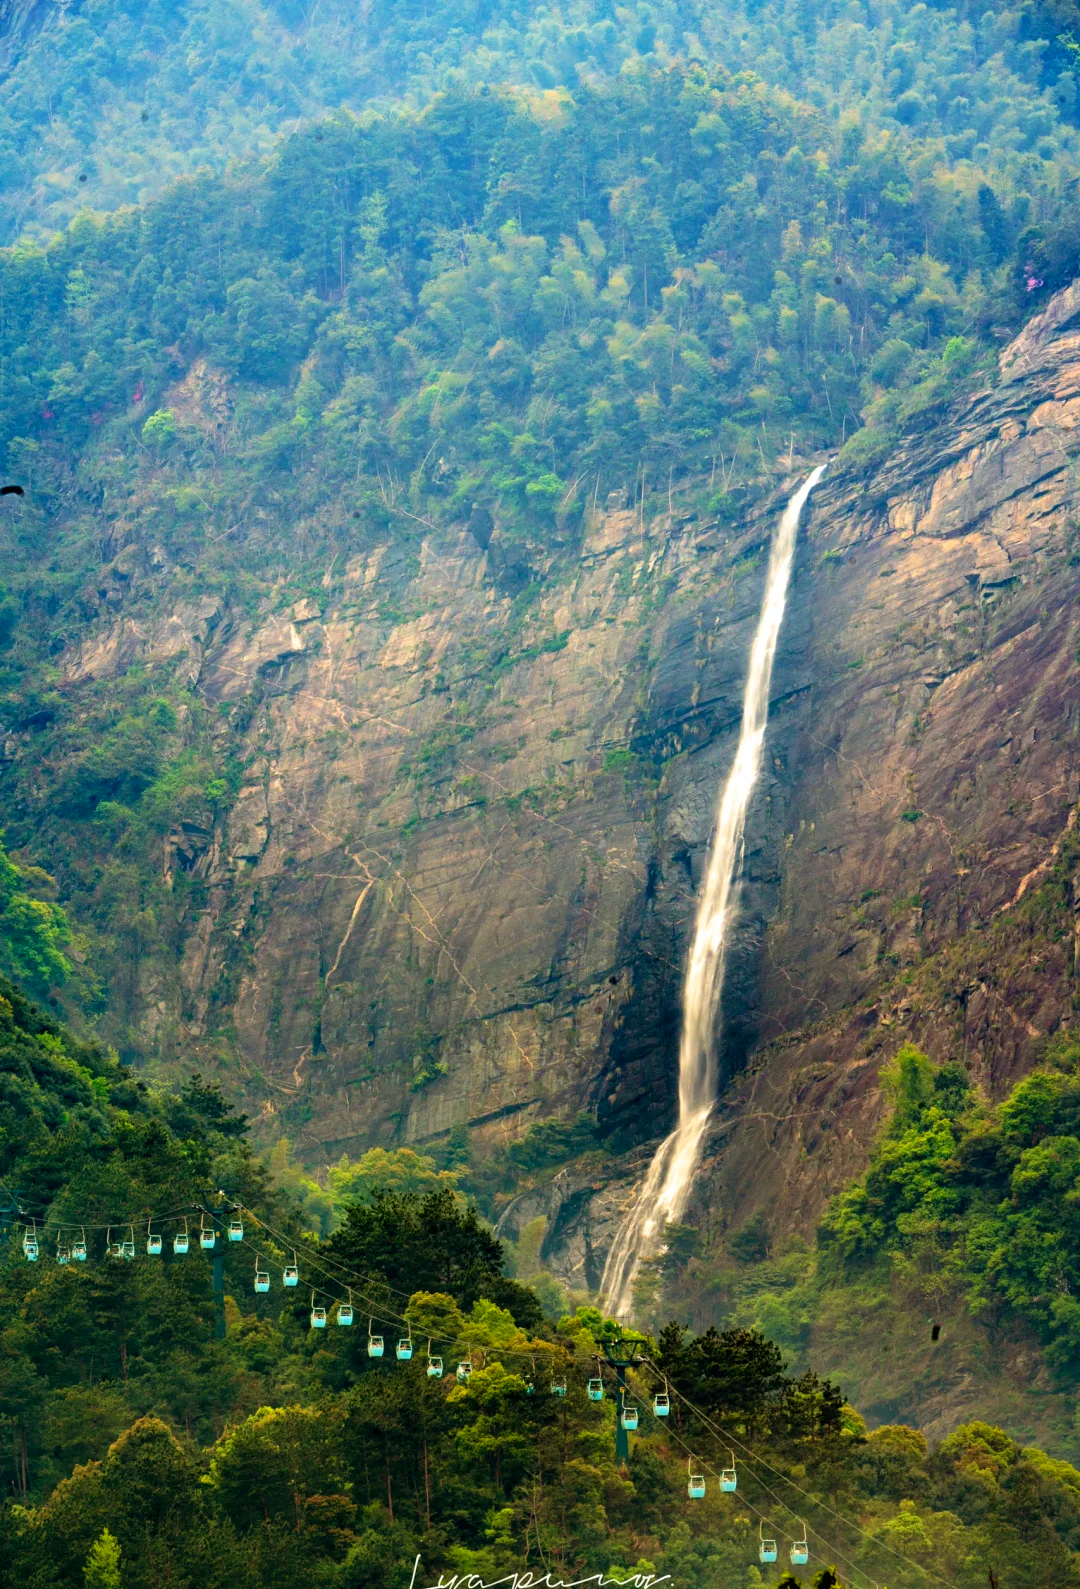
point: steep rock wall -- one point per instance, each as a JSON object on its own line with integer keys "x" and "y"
{"x": 457, "y": 884}
{"x": 924, "y": 774}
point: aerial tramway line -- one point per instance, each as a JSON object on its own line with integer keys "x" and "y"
{"x": 72, "y": 1249}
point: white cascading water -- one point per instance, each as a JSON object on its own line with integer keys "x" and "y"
{"x": 664, "y": 1193}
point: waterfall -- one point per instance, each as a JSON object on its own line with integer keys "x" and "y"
{"x": 664, "y": 1193}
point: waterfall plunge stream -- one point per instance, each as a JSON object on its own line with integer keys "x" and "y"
{"x": 663, "y": 1195}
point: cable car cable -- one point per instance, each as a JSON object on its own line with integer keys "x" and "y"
{"x": 832, "y": 1553}
{"x": 849, "y": 1522}
{"x": 380, "y": 1310}
{"x": 328, "y": 1264}
{"x": 44, "y": 1222}
{"x": 385, "y": 1315}
{"x": 378, "y": 1307}
{"x": 840, "y": 1518}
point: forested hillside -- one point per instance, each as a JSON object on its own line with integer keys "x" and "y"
{"x": 399, "y": 399}
{"x": 159, "y": 1430}
{"x": 104, "y": 104}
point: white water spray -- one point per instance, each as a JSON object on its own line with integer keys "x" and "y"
{"x": 665, "y": 1191}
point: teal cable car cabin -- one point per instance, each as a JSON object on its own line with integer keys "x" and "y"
{"x": 800, "y": 1550}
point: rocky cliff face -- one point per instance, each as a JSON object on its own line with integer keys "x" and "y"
{"x": 926, "y": 780}
{"x": 458, "y": 882}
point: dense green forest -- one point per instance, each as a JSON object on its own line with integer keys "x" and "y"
{"x": 157, "y": 1430}
{"x": 282, "y": 286}
{"x": 106, "y": 103}
{"x": 492, "y": 304}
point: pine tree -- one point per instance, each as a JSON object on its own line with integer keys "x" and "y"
{"x": 102, "y": 1570}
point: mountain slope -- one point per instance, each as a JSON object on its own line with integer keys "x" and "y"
{"x": 394, "y": 528}
{"x": 104, "y": 105}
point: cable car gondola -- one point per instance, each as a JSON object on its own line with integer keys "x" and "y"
{"x": 290, "y": 1275}
{"x": 153, "y": 1241}
{"x": 78, "y": 1248}
{"x": 376, "y": 1346}
{"x": 695, "y": 1483}
{"x": 262, "y": 1277}
{"x": 434, "y": 1365}
{"x": 345, "y": 1313}
{"x": 629, "y": 1417}
{"x": 181, "y": 1241}
{"x": 30, "y": 1244}
{"x": 63, "y": 1255}
{"x": 127, "y": 1248}
{"x": 236, "y": 1228}
{"x": 662, "y": 1403}
{"x": 207, "y": 1235}
{"x": 729, "y": 1479}
{"x": 766, "y": 1547}
{"x": 464, "y": 1371}
{"x": 318, "y": 1315}
{"x": 595, "y": 1387}
{"x": 558, "y": 1387}
{"x": 112, "y": 1248}
{"x": 404, "y": 1350}
{"x": 800, "y": 1550}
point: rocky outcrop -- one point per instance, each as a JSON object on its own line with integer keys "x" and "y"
{"x": 457, "y": 883}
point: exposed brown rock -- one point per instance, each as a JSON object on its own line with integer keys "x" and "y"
{"x": 461, "y": 817}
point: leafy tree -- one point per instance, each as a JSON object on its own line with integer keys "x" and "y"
{"x": 102, "y": 1570}
{"x": 427, "y": 1241}
{"x": 731, "y": 1373}
{"x": 33, "y": 932}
